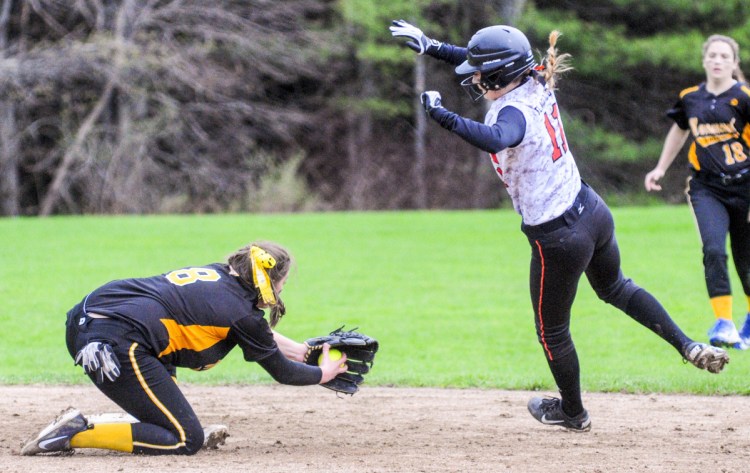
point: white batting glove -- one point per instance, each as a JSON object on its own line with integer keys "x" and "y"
{"x": 418, "y": 41}
{"x": 431, "y": 100}
{"x": 98, "y": 358}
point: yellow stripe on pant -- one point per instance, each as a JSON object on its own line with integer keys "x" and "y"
{"x": 158, "y": 403}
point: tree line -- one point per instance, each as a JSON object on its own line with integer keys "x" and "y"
{"x": 153, "y": 106}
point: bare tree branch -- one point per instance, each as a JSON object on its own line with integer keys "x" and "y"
{"x": 55, "y": 189}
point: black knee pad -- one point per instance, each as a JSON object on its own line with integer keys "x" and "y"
{"x": 619, "y": 293}
{"x": 714, "y": 258}
{"x": 556, "y": 341}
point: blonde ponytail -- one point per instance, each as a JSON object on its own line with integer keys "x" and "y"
{"x": 554, "y": 65}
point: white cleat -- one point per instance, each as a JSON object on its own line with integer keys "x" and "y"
{"x": 214, "y": 435}
{"x": 706, "y": 357}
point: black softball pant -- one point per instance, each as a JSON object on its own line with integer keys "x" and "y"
{"x": 720, "y": 210}
{"x": 582, "y": 240}
{"x": 145, "y": 388}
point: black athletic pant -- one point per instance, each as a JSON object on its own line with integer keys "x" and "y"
{"x": 720, "y": 210}
{"x": 582, "y": 240}
{"x": 145, "y": 388}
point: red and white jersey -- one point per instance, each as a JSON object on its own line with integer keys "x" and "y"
{"x": 540, "y": 173}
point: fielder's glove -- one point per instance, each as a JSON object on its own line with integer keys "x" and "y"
{"x": 98, "y": 358}
{"x": 431, "y": 100}
{"x": 418, "y": 41}
{"x": 360, "y": 353}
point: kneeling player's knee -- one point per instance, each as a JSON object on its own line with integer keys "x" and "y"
{"x": 193, "y": 440}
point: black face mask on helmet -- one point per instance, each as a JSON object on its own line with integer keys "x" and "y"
{"x": 500, "y": 54}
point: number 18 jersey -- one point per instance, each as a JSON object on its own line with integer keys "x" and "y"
{"x": 540, "y": 173}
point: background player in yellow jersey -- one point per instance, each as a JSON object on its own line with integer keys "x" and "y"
{"x": 717, "y": 114}
{"x": 131, "y": 334}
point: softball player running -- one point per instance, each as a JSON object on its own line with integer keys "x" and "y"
{"x": 130, "y": 336}
{"x": 569, "y": 227}
{"x": 717, "y": 113}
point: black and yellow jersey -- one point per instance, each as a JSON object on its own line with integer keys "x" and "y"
{"x": 191, "y": 317}
{"x": 719, "y": 125}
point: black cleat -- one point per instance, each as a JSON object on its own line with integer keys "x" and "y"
{"x": 56, "y": 436}
{"x": 549, "y": 411}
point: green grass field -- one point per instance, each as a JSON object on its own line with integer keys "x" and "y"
{"x": 444, "y": 292}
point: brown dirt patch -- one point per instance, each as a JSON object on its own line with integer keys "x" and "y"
{"x": 285, "y": 429}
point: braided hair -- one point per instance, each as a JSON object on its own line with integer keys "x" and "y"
{"x": 554, "y": 64}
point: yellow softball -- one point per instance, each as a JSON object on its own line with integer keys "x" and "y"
{"x": 333, "y": 354}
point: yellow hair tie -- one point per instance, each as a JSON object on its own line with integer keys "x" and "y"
{"x": 261, "y": 261}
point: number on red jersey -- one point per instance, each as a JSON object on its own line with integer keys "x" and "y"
{"x": 553, "y": 129}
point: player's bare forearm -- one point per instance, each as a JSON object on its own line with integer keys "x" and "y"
{"x": 672, "y": 145}
{"x": 289, "y": 348}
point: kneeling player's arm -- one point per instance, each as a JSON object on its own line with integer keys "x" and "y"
{"x": 291, "y": 349}
{"x": 286, "y": 371}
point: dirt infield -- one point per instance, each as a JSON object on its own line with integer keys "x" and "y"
{"x": 300, "y": 429}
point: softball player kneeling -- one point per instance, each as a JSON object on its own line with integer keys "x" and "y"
{"x": 130, "y": 335}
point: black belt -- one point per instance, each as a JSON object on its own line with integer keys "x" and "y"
{"x": 567, "y": 218}
{"x": 723, "y": 179}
